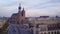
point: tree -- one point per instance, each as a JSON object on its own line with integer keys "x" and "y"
{"x": 4, "y": 28}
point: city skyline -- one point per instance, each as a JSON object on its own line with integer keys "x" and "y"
{"x": 32, "y": 7}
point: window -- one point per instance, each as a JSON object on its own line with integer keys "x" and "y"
{"x": 48, "y": 32}
{"x": 55, "y": 32}
{"x": 51, "y": 32}
{"x": 22, "y": 21}
{"x": 41, "y": 33}
{"x": 22, "y": 13}
{"x": 44, "y": 33}
{"x": 58, "y": 32}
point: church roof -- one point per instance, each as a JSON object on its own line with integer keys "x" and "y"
{"x": 15, "y": 14}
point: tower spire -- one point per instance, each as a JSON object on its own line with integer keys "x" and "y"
{"x": 23, "y": 9}
{"x": 19, "y": 6}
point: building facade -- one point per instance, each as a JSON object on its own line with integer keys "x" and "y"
{"x": 50, "y": 25}
{"x": 18, "y": 18}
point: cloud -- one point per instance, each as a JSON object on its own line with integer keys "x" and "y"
{"x": 38, "y": 12}
{"x": 46, "y": 8}
{"x": 34, "y": 7}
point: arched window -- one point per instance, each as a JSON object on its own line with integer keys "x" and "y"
{"x": 22, "y": 13}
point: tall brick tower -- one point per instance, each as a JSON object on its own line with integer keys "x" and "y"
{"x": 21, "y": 15}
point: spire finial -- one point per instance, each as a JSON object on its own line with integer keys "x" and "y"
{"x": 23, "y": 9}
{"x": 19, "y": 4}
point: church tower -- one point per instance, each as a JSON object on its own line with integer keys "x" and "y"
{"x": 21, "y": 15}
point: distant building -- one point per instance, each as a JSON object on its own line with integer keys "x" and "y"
{"x": 50, "y": 20}
{"x": 17, "y": 18}
{"x": 17, "y": 23}
{"x": 44, "y": 16}
{"x": 3, "y": 21}
{"x": 49, "y": 25}
{"x": 50, "y": 28}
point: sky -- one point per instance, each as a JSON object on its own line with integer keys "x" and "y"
{"x": 33, "y": 8}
